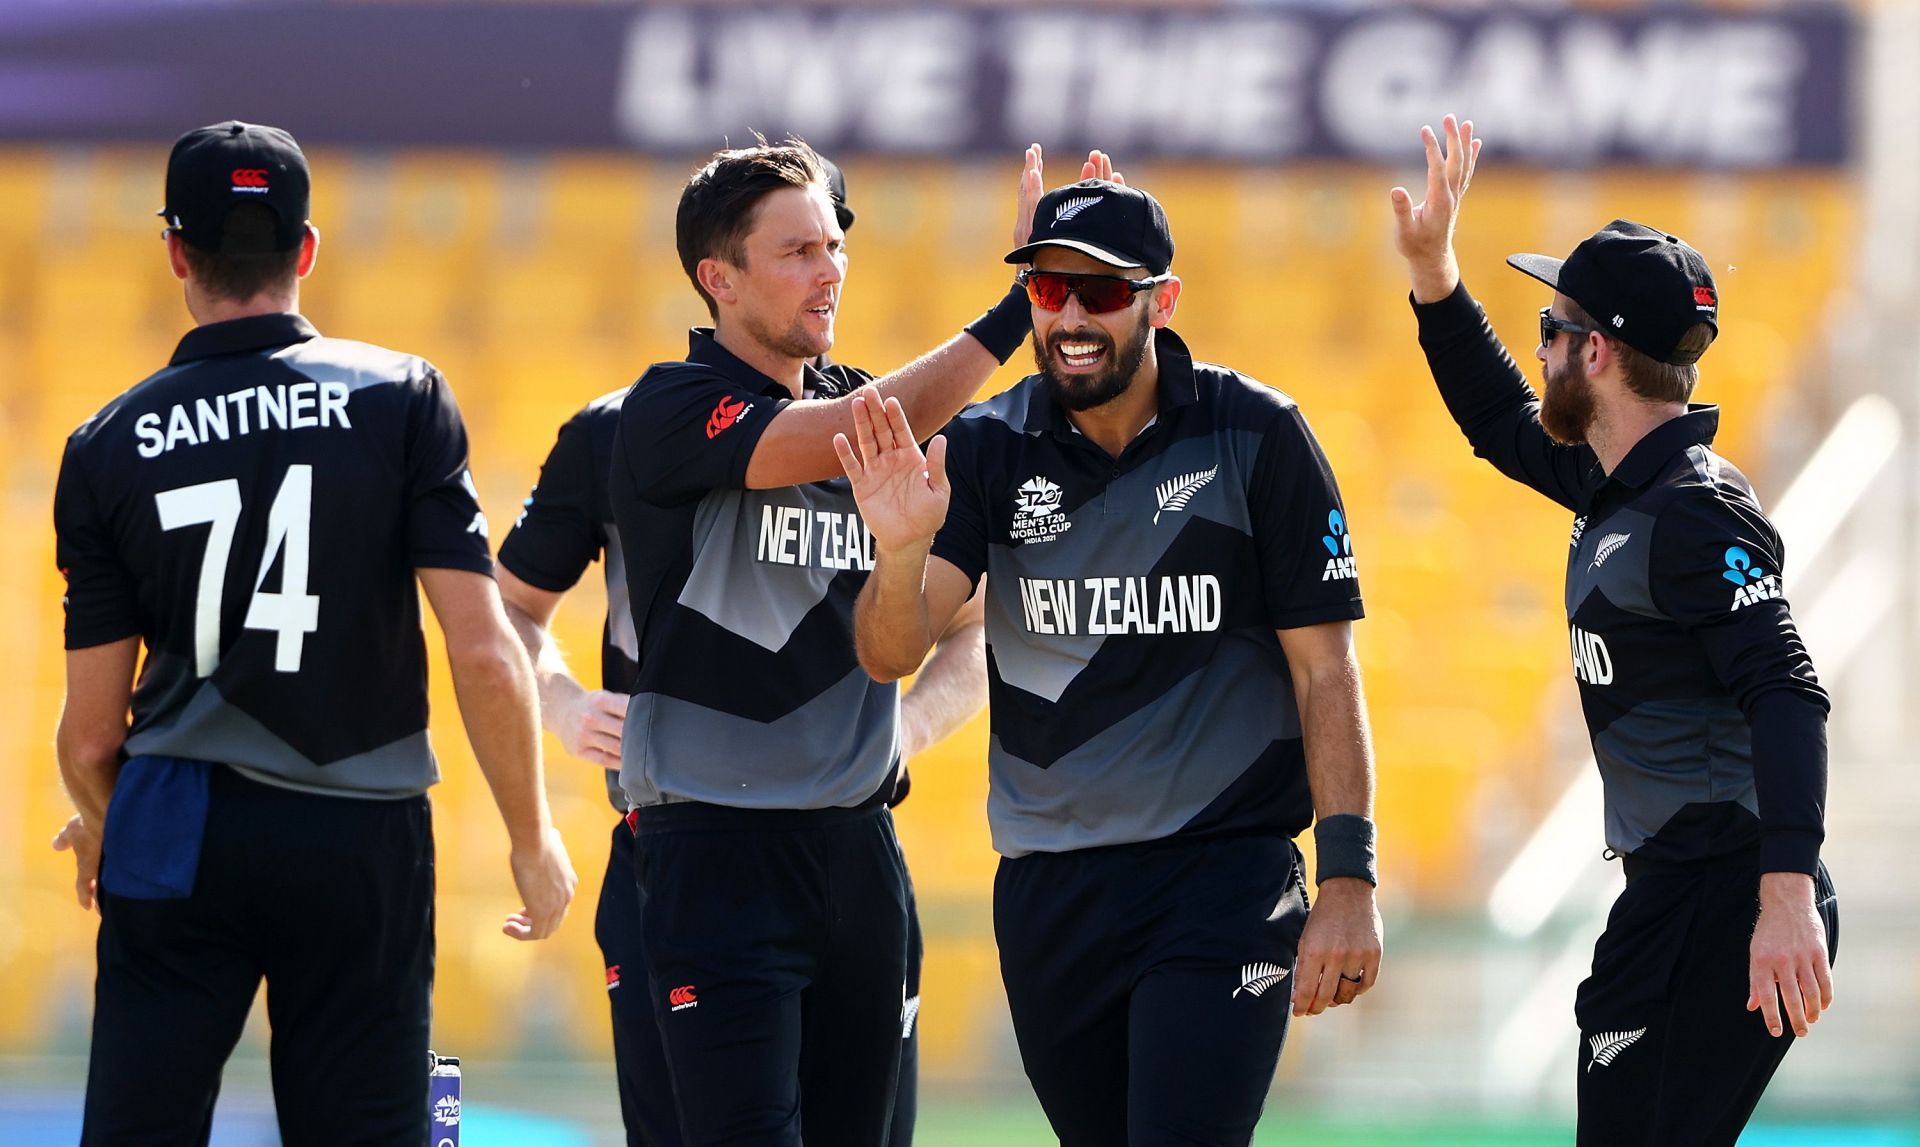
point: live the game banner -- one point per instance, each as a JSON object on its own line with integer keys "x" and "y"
{"x": 1243, "y": 84}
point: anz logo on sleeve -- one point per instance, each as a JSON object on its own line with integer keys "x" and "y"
{"x": 1753, "y": 584}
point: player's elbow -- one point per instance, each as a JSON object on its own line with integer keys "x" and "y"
{"x": 89, "y": 750}
{"x": 884, "y": 666}
{"x": 881, "y": 670}
{"x": 491, "y": 663}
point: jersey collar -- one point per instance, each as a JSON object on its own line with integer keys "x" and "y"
{"x": 239, "y": 336}
{"x": 1649, "y": 456}
{"x": 1177, "y": 387}
{"x": 705, "y": 349}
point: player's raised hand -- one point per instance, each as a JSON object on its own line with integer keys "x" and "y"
{"x": 1423, "y": 232}
{"x": 1340, "y": 950}
{"x": 1099, "y": 165}
{"x": 590, "y": 724}
{"x": 544, "y": 875}
{"x": 1032, "y": 186}
{"x": 902, "y": 493}
{"x": 76, "y": 837}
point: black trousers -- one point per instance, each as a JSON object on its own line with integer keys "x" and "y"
{"x": 775, "y": 944}
{"x": 1149, "y": 984}
{"x": 1669, "y": 1055}
{"x": 639, "y": 1057}
{"x": 330, "y": 900}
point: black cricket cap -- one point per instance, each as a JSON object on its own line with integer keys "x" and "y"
{"x": 1644, "y": 287}
{"x": 837, "y": 188}
{"x": 1116, "y": 224}
{"x": 214, "y": 167}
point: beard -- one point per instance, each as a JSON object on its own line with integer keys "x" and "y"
{"x": 792, "y": 341}
{"x": 1079, "y": 392}
{"x": 1566, "y": 408}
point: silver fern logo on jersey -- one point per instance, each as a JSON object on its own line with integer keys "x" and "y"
{"x": 1073, "y": 207}
{"x": 1174, "y": 493}
{"x": 1258, "y": 977}
{"x": 1607, "y": 1046}
{"x": 1606, "y": 548}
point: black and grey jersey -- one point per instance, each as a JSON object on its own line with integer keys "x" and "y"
{"x": 255, "y": 513}
{"x": 1137, "y": 685}
{"x": 1707, "y": 721}
{"x": 747, "y": 691}
{"x": 566, "y": 524}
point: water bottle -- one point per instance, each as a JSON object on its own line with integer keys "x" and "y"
{"x": 443, "y": 1099}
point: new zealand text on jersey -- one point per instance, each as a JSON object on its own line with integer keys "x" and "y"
{"x": 283, "y": 406}
{"x": 798, "y": 536}
{"x": 1118, "y": 605}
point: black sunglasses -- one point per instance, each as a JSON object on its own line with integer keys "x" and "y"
{"x": 1550, "y": 324}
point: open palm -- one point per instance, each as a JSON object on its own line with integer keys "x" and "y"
{"x": 1424, "y": 230}
{"x": 901, "y": 492}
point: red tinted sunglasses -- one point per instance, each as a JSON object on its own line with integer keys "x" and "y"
{"x": 1098, "y": 294}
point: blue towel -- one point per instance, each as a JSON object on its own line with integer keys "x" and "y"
{"x": 155, "y": 822}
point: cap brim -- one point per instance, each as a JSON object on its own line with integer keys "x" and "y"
{"x": 1025, "y": 254}
{"x": 1545, "y": 268}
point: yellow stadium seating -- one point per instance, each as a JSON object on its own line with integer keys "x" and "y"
{"x": 537, "y": 284}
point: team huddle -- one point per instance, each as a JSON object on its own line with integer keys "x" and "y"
{"x": 1137, "y": 560}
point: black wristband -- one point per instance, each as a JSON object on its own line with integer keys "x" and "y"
{"x": 1003, "y": 328}
{"x": 1343, "y": 846}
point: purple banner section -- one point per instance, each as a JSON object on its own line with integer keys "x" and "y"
{"x": 1656, "y": 85}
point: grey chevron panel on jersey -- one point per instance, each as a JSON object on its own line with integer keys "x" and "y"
{"x": 210, "y": 728}
{"x": 620, "y": 630}
{"x": 814, "y": 757}
{"x": 763, "y": 602}
{"x": 1648, "y": 774}
{"x": 1179, "y": 767}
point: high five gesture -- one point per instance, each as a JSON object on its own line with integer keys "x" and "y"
{"x": 901, "y": 492}
{"x": 1423, "y": 231}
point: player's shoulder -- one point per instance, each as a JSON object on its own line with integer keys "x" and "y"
{"x": 1005, "y": 413}
{"x": 1704, "y": 496}
{"x": 676, "y": 372}
{"x": 356, "y": 364}
{"x": 121, "y": 406}
{"x": 837, "y": 379}
{"x": 1241, "y": 398}
{"x": 1699, "y": 482}
{"x": 602, "y": 412}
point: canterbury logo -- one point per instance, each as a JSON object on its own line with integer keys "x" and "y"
{"x": 613, "y": 976}
{"x": 1073, "y": 207}
{"x": 1607, "y": 545}
{"x": 725, "y": 415}
{"x": 1175, "y": 493}
{"x": 1257, "y": 978}
{"x": 683, "y": 998}
{"x": 250, "y": 177}
{"x": 1607, "y": 1046}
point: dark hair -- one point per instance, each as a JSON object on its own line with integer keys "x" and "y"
{"x": 248, "y": 261}
{"x": 717, "y": 205}
{"x": 1647, "y": 376}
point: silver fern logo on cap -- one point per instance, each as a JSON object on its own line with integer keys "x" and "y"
{"x": 1073, "y": 207}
